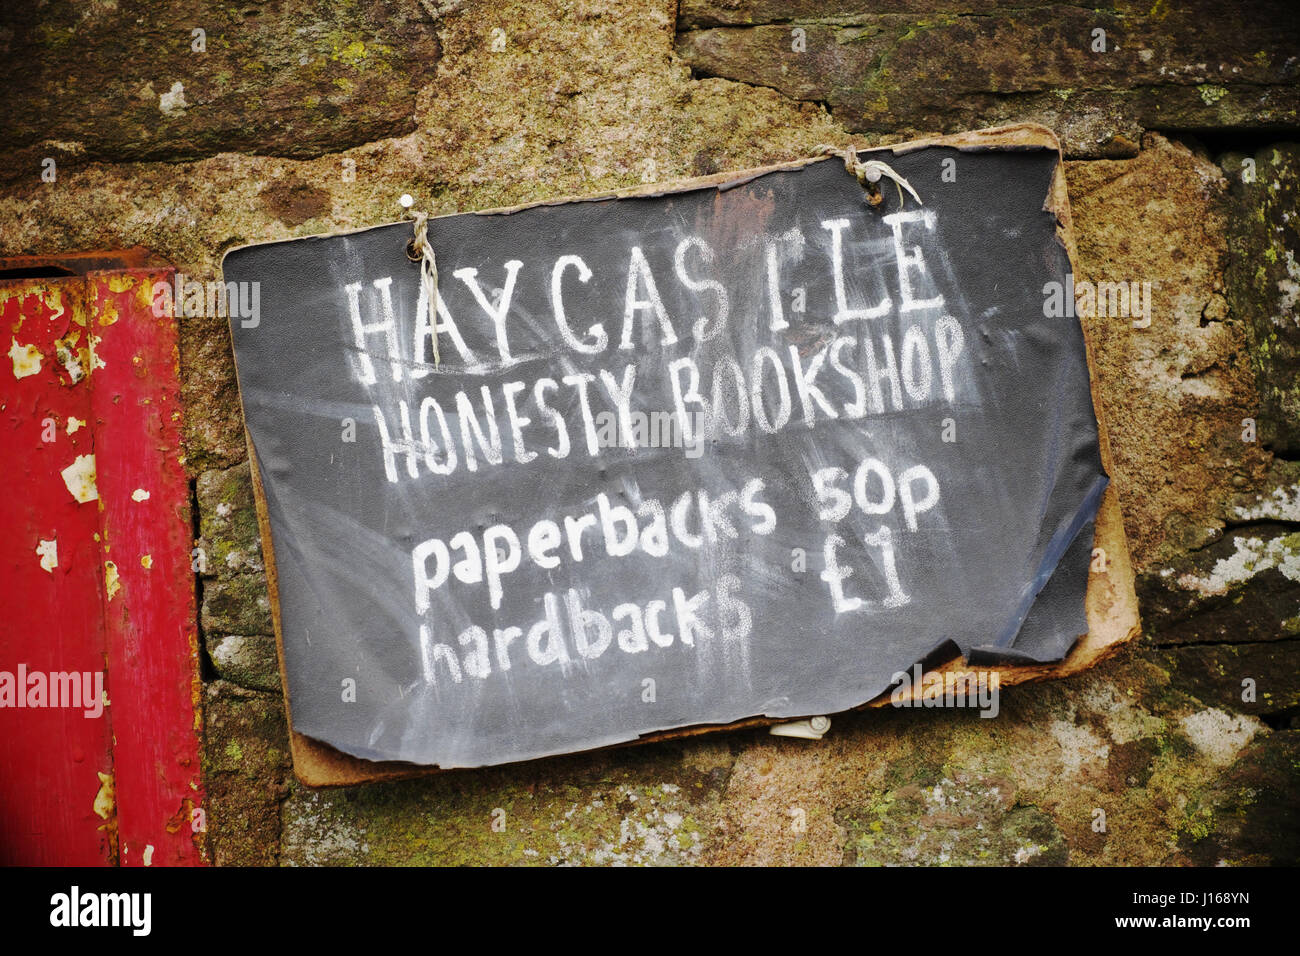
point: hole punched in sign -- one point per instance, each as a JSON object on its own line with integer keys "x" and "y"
{"x": 874, "y": 197}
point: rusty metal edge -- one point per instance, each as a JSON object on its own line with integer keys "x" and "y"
{"x": 82, "y": 265}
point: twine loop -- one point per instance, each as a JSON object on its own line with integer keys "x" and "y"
{"x": 869, "y": 173}
{"x": 420, "y": 250}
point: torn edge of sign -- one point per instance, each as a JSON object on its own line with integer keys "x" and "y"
{"x": 1111, "y": 599}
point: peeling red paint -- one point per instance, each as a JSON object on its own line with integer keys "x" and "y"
{"x": 108, "y": 364}
{"x": 50, "y": 758}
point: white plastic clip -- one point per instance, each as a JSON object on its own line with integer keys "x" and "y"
{"x": 811, "y": 729}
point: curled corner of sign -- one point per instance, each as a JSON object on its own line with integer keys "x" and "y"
{"x": 811, "y": 729}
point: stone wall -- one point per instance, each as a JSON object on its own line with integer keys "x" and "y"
{"x": 1180, "y": 127}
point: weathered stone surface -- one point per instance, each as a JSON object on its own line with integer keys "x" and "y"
{"x": 249, "y": 661}
{"x": 646, "y": 808}
{"x": 1249, "y": 816}
{"x": 1119, "y": 766}
{"x": 245, "y": 772}
{"x": 228, "y": 522}
{"x": 957, "y": 822}
{"x": 1244, "y": 587}
{"x": 782, "y": 799}
{"x": 238, "y": 604}
{"x": 236, "y": 609}
{"x": 214, "y": 427}
{"x": 692, "y": 14}
{"x": 1241, "y": 583}
{"x": 893, "y": 70}
{"x": 1218, "y": 675}
{"x": 596, "y": 101}
{"x": 1264, "y": 276}
{"x": 1174, "y": 394}
{"x": 126, "y": 80}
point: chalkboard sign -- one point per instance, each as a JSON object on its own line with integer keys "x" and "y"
{"x": 742, "y": 448}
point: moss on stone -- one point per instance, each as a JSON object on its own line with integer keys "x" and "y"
{"x": 614, "y": 818}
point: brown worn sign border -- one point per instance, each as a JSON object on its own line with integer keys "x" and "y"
{"x": 1111, "y": 602}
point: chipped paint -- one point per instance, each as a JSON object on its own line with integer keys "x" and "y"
{"x": 48, "y": 551}
{"x": 108, "y": 313}
{"x": 112, "y": 583}
{"x": 27, "y": 359}
{"x": 68, "y": 355}
{"x": 144, "y": 297}
{"x": 104, "y": 799}
{"x": 80, "y": 479}
{"x": 92, "y": 344}
{"x": 146, "y": 638}
{"x": 53, "y": 299}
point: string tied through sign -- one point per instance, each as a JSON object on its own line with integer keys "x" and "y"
{"x": 420, "y": 250}
{"x": 869, "y": 173}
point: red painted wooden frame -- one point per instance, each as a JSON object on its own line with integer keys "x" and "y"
{"x": 92, "y": 371}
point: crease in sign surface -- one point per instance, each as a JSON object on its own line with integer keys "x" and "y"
{"x": 687, "y": 458}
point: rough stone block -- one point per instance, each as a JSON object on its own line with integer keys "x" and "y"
{"x": 1264, "y": 277}
{"x": 133, "y": 80}
{"x": 249, "y": 661}
{"x": 1099, "y": 76}
{"x": 238, "y": 604}
{"x": 245, "y": 772}
{"x": 1221, "y": 675}
{"x": 228, "y": 522}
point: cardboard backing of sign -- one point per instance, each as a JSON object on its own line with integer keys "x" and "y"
{"x": 1111, "y": 604}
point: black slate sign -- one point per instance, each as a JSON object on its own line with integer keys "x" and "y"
{"x": 738, "y": 450}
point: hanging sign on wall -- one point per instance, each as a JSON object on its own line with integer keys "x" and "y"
{"x": 746, "y": 447}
